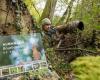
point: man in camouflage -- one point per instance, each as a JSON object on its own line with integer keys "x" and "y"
{"x": 49, "y": 32}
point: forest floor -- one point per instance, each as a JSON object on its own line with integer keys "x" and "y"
{"x": 82, "y": 68}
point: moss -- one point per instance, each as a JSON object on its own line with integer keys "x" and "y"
{"x": 86, "y": 68}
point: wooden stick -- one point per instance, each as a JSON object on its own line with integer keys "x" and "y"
{"x": 72, "y": 49}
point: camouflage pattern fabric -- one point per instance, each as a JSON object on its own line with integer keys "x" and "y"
{"x": 49, "y": 37}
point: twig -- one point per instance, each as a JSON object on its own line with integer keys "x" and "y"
{"x": 6, "y": 16}
{"x": 75, "y": 49}
{"x": 59, "y": 43}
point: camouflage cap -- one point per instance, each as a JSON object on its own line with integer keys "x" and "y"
{"x": 46, "y": 21}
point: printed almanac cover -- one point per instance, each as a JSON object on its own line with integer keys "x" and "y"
{"x": 21, "y": 53}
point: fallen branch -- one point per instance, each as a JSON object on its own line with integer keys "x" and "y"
{"x": 75, "y": 49}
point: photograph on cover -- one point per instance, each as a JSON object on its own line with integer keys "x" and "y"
{"x": 21, "y": 49}
{"x": 36, "y": 66}
{"x": 28, "y": 67}
{"x": 13, "y": 70}
{"x": 43, "y": 64}
{"x": 20, "y": 69}
{"x": 5, "y": 71}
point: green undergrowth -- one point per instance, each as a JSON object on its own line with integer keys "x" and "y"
{"x": 82, "y": 68}
{"x": 86, "y": 68}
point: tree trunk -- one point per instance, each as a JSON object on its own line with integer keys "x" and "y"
{"x": 14, "y": 18}
{"x": 68, "y": 10}
{"x": 48, "y": 11}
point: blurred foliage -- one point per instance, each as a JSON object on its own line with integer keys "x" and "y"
{"x": 32, "y": 8}
{"x": 89, "y": 12}
{"x": 98, "y": 27}
{"x": 86, "y": 68}
{"x": 58, "y": 63}
{"x": 39, "y": 73}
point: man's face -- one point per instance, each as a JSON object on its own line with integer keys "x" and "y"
{"x": 47, "y": 27}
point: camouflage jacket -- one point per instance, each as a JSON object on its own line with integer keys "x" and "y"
{"x": 49, "y": 37}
